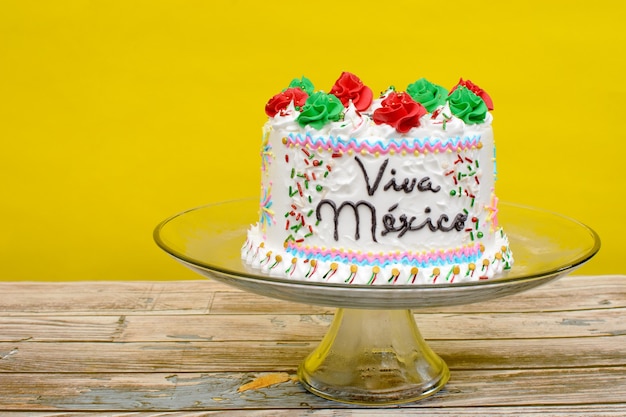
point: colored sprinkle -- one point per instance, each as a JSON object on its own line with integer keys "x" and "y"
{"x": 267, "y": 257}
{"x": 394, "y": 275}
{"x": 436, "y": 273}
{"x": 375, "y": 271}
{"x": 277, "y": 260}
{"x": 449, "y": 273}
{"x": 353, "y": 269}
{"x": 312, "y": 268}
{"x": 331, "y": 271}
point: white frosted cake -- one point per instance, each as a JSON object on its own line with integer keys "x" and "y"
{"x": 389, "y": 190}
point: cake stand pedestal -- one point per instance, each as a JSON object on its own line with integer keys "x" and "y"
{"x": 373, "y": 357}
{"x": 373, "y": 353}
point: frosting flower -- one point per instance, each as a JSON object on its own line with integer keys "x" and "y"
{"x": 350, "y": 87}
{"x": 400, "y": 111}
{"x": 280, "y": 101}
{"x": 476, "y": 90}
{"x": 467, "y": 106}
{"x": 319, "y": 109}
{"x": 428, "y": 94}
{"x": 304, "y": 83}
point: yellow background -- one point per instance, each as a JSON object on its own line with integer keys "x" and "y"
{"x": 115, "y": 114}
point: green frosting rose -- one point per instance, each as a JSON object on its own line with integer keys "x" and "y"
{"x": 304, "y": 83}
{"x": 467, "y": 106}
{"x": 319, "y": 109}
{"x": 428, "y": 94}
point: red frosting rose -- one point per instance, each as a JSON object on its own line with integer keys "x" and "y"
{"x": 350, "y": 87}
{"x": 400, "y": 111}
{"x": 476, "y": 90}
{"x": 280, "y": 101}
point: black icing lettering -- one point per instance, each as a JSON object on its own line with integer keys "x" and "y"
{"x": 391, "y": 222}
{"x": 407, "y": 185}
{"x": 355, "y": 209}
{"x": 426, "y": 185}
{"x": 371, "y": 189}
{"x": 402, "y": 224}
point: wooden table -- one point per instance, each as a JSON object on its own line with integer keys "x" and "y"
{"x": 190, "y": 347}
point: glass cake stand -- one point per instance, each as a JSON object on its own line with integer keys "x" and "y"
{"x": 373, "y": 352}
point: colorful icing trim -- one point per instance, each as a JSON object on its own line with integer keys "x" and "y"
{"x": 404, "y": 145}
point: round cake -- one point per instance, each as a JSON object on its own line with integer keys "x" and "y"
{"x": 396, "y": 189}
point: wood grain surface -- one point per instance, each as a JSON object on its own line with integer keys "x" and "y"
{"x": 186, "y": 348}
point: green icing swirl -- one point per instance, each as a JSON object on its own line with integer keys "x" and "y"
{"x": 304, "y": 83}
{"x": 467, "y": 106}
{"x": 319, "y": 109}
{"x": 428, "y": 94}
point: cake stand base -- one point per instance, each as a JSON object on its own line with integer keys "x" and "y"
{"x": 373, "y": 357}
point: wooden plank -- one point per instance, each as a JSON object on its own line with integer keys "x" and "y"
{"x": 605, "y": 410}
{"x": 197, "y": 356}
{"x": 207, "y": 296}
{"x": 216, "y": 391}
{"x": 93, "y": 298}
{"x": 304, "y": 327}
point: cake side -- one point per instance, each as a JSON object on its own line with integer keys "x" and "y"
{"x": 359, "y": 201}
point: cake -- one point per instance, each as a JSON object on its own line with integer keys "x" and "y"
{"x": 394, "y": 189}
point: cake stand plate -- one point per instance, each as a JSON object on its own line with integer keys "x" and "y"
{"x": 373, "y": 352}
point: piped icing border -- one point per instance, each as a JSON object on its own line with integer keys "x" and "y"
{"x": 420, "y": 145}
{"x": 485, "y": 266}
{"x": 465, "y": 254}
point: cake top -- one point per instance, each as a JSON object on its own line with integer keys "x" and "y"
{"x": 349, "y": 98}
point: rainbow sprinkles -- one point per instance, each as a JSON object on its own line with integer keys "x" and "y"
{"x": 378, "y": 191}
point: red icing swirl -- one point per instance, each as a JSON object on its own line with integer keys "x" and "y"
{"x": 476, "y": 90}
{"x": 280, "y": 101}
{"x": 350, "y": 87}
{"x": 400, "y": 111}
